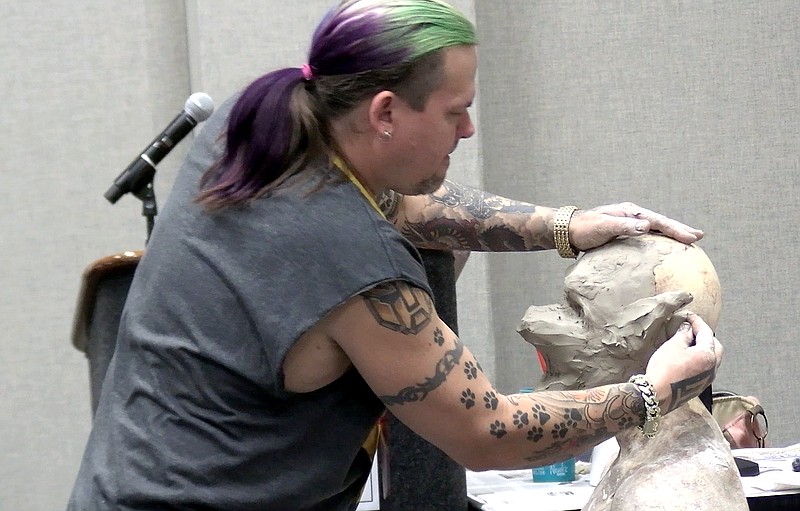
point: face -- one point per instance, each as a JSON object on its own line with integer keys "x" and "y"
{"x": 422, "y": 141}
{"x": 623, "y": 300}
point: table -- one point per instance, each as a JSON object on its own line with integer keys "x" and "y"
{"x": 776, "y": 488}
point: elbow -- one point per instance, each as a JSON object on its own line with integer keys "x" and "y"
{"x": 483, "y": 452}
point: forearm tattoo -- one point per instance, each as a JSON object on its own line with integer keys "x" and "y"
{"x": 470, "y": 219}
{"x": 562, "y": 418}
{"x": 478, "y": 203}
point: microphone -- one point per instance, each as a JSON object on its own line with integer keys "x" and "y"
{"x": 141, "y": 170}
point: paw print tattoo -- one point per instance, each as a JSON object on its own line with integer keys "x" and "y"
{"x": 520, "y": 419}
{"x": 540, "y": 414}
{"x": 438, "y": 337}
{"x": 560, "y": 430}
{"x": 490, "y": 400}
{"x": 470, "y": 370}
{"x": 535, "y": 434}
{"x": 625, "y": 423}
{"x": 468, "y": 398}
{"x": 498, "y": 429}
{"x": 572, "y": 417}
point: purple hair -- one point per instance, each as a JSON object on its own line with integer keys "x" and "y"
{"x": 281, "y": 122}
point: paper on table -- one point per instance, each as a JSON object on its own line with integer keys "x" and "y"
{"x": 541, "y": 499}
{"x": 512, "y": 490}
{"x": 775, "y": 470}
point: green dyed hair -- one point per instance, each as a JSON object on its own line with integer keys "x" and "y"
{"x": 282, "y": 121}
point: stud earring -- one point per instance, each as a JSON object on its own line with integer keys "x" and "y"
{"x": 386, "y": 135}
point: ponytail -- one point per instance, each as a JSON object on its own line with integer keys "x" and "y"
{"x": 272, "y": 133}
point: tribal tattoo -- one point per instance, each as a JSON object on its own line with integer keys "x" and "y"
{"x": 420, "y": 391}
{"x": 685, "y": 390}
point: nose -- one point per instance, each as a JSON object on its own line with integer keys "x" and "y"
{"x": 466, "y": 129}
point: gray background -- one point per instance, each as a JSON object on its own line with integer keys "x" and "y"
{"x": 688, "y": 108}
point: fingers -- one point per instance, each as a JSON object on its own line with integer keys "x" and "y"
{"x": 597, "y": 226}
{"x": 632, "y": 220}
{"x": 662, "y": 224}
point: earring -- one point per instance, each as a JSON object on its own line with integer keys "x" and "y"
{"x": 386, "y": 135}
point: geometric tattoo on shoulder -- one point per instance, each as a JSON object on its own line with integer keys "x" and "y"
{"x": 399, "y": 307}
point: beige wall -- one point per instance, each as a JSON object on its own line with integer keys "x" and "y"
{"x": 689, "y": 108}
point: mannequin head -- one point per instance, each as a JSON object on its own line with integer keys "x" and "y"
{"x": 622, "y": 301}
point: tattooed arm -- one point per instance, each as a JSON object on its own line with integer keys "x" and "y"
{"x": 459, "y": 217}
{"x": 432, "y": 383}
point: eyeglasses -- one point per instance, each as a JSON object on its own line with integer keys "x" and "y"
{"x": 759, "y": 423}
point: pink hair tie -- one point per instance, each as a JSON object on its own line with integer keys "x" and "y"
{"x": 307, "y": 73}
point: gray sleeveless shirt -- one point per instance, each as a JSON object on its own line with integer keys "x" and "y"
{"x": 193, "y": 412}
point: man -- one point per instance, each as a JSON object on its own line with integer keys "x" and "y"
{"x": 277, "y": 313}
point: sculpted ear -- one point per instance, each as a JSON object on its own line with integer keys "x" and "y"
{"x": 649, "y": 316}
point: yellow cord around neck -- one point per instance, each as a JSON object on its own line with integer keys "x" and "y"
{"x": 353, "y": 179}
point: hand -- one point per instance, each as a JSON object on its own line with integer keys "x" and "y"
{"x": 684, "y": 365}
{"x": 594, "y": 227}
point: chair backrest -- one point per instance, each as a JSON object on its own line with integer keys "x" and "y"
{"x": 104, "y": 288}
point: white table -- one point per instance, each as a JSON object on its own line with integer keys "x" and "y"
{"x": 514, "y": 490}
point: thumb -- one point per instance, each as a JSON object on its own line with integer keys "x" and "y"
{"x": 684, "y": 335}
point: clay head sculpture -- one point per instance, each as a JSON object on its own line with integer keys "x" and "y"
{"x": 622, "y": 301}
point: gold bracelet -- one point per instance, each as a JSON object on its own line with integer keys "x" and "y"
{"x": 561, "y": 232}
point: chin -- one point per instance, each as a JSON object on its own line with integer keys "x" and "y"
{"x": 429, "y": 185}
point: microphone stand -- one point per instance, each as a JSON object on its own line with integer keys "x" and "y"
{"x": 139, "y": 184}
{"x": 149, "y": 208}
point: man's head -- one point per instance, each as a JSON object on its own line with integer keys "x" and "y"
{"x": 364, "y": 46}
{"x": 375, "y": 54}
{"x": 392, "y": 83}
{"x": 623, "y": 300}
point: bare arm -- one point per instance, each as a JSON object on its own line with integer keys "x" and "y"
{"x": 431, "y": 382}
{"x": 459, "y": 217}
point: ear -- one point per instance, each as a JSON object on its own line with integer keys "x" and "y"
{"x": 654, "y": 312}
{"x": 380, "y": 111}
